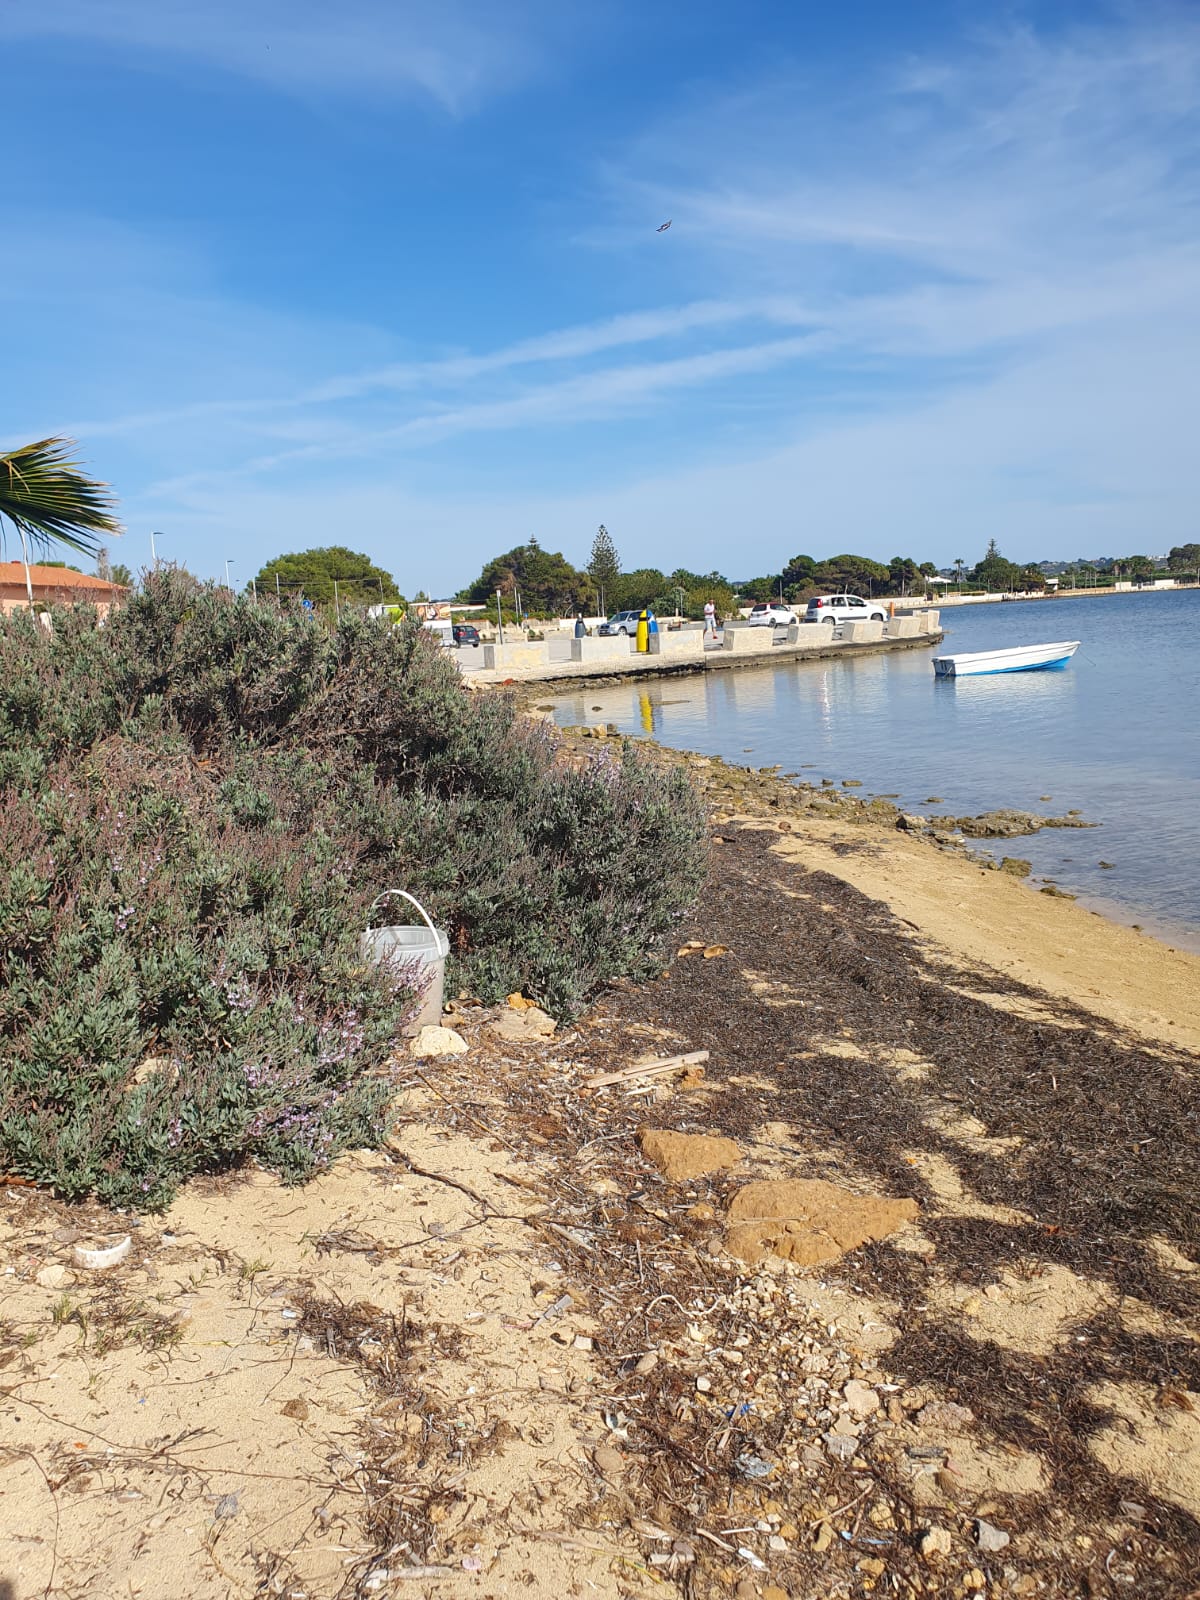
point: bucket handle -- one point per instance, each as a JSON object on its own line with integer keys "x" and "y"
{"x": 407, "y": 896}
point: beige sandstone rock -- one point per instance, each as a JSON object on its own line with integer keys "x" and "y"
{"x": 680, "y": 1156}
{"x": 524, "y": 1027}
{"x": 807, "y": 1221}
{"x": 433, "y": 1041}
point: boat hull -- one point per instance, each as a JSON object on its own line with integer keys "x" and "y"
{"x": 1024, "y": 658}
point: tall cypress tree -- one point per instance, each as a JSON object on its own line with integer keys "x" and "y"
{"x": 604, "y": 564}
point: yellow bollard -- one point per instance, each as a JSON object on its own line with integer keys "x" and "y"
{"x": 643, "y": 633}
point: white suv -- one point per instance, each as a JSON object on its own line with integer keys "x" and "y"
{"x": 772, "y": 614}
{"x": 835, "y": 608}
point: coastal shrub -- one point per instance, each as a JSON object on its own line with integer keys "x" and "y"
{"x": 198, "y": 803}
{"x": 180, "y": 982}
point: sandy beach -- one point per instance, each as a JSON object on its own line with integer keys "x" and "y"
{"x": 902, "y": 1299}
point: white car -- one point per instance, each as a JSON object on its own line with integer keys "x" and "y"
{"x": 772, "y": 614}
{"x": 834, "y": 608}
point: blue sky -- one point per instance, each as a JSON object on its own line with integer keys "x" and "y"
{"x": 386, "y": 275}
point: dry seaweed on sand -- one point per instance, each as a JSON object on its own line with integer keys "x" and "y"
{"x": 397, "y": 1523}
{"x": 1088, "y": 1155}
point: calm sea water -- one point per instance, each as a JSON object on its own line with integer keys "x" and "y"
{"x": 1115, "y": 735}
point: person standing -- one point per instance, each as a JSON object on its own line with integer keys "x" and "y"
{"x": 710, "y": 619}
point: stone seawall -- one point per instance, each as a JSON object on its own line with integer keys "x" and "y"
{"x": 686, "y": 651}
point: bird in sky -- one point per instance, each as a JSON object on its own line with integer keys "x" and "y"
{"x": 664, "y": 226}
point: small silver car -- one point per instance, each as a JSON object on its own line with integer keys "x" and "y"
{"x": 621, "y": 622}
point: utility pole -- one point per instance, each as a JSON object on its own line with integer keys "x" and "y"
{"x": 337, "y": 609}
{"x": 25, "y": 563}
{"x": 499, "y": 617}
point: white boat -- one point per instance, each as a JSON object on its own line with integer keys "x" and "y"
{"x": 1024, "y": 658}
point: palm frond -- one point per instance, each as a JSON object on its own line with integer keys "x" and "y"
{"x": 49, "y": 499}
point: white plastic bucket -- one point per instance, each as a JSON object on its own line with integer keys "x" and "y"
{"x": 426, "y": 948}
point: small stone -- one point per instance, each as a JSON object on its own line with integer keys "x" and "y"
{"x": 646, "y": 1363}
{"x": 988, "y": 1537}
{"x": 747, "y": 1589}
{"x": 704, "y": 1385}
{"x": 935, "y": 1542}
{"x": 154, "y": 1066}
{"x": 861, "y": 1398}
{"x": 774, "y": 1592}
{"x": 53, "y": 1276}
{"x": 680, "y": 1156}
{"x": 873, "y": 1567}
{"x": 432, "y": 1041}
{"x": 975, "y": 1579}
{"x": 297, "y": 1409}
{"x": 610, "y": 1463}
{"x": 523, "y": 1027}
{"x": 823, "y": 1537}
{"x": 518, "y": 1002}
{"x": 944, "y": 1414}
{"x": 583, "y": 1342}
{"x": 841, "y": 1446}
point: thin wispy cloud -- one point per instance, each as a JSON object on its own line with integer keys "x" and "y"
{"x": 611, "y": 391}
{"x": 454, "y": 52}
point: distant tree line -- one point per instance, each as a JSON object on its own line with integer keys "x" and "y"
{"x": 536, "y": 582}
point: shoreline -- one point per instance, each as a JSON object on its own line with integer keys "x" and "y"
{"x": 967, "y": 907}
{"x": 1170, "y": 934}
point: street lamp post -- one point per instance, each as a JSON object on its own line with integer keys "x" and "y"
{"x": 25, "y": 564}
{"x": 229, "y": 560}
{"x": 155, "y": 534}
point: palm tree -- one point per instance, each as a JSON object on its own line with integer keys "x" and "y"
{"x": 51, "y": 503}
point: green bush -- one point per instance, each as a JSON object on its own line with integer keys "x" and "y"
{"x": 198, "y": 804}
{"x": 180, "y": 983}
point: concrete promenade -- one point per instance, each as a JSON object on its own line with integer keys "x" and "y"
{"x": 555, "y": 660}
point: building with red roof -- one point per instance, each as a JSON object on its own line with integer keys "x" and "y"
{"x": 55, "y": 586}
